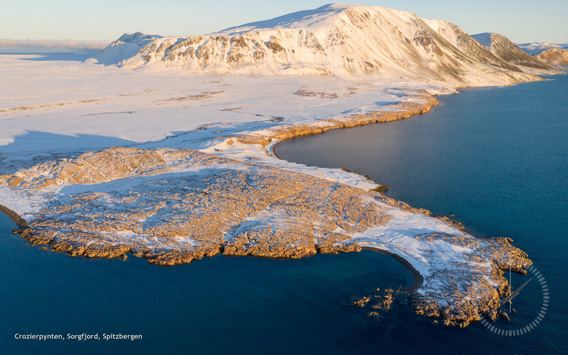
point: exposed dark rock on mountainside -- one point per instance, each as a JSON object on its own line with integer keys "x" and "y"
{"x": 506, "y": 50}
{"x": 334, "y": 40}
{"x": 554, "y": 56}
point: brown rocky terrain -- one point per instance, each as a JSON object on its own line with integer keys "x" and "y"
{"x": 224, "y": 206}
{"x": 184, "y": 205}
{"x": 423, "y": 104}
{"x": 506, "y": 50}
{"x": 554, "y": 56}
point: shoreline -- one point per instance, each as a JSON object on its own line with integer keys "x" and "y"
{"x": 15, "y": 217}
{"x": 393, "y": 112}
{"x": 362, "y": 120}
{"x": 418, "y": 279}
{"x": 421, "y": 306}
{"x": 77, "y": 240}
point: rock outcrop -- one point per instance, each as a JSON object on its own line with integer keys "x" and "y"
{"x": 506, "y": 50}
{"x": 554, "y": 56}
{"x": 423, "y": 103}
{"x": 183, "y": 205}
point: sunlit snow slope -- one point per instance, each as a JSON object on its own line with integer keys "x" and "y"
{"x": 336, "y": 39}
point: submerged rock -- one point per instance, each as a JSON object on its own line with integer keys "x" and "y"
{"x": 362, "y": 302}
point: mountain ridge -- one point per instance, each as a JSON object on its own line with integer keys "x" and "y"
{"x": 506, "y": 50}
{"x": 554, "y": 56}
{"x": 335, "y": 39}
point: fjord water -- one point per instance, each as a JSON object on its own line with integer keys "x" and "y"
{"x": 213, "y": 306}
{"x": 496, "y": 158}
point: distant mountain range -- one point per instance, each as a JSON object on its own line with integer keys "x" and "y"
{"x": 536, "y": 48}
{"x": 10, "y": 46}
{"x": 550, "y": 53}
{"x": 340, "y": 40}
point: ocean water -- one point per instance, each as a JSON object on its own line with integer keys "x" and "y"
{"x": 495, "y": 158}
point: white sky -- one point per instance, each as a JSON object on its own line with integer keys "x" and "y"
{"x": 520, "y": 20}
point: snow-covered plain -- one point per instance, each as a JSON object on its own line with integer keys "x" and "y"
{"x": 62, "y": 104}
{"x": 54, "y": 107}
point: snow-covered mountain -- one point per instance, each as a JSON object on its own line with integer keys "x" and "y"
{"x": 506, "y": 50}
{"x": 535, "y": 48}
{"x": 335, "y": 39}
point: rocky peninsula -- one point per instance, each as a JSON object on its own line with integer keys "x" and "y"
{"x": 171, "y": 206}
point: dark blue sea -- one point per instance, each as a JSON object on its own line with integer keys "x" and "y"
{"x": 495, "y": 159}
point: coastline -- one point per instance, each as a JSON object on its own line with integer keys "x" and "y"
{"x": 422, "y": 306}
{"x": 15, "y": 217}
{"x": 393, "y": 112}
{"x": 114, "y": 238}
{"x": 418, "y": 279}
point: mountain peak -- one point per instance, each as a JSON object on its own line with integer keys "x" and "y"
{"x": 484, "y": 39}
{"x": 322, "y": 16}
{"x": 506, "y": 50}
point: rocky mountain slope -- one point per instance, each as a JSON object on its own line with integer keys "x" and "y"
{"x": 506, "y": 50}
{"x": 554, "y": 56}
{"x": 341, "y": 40}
